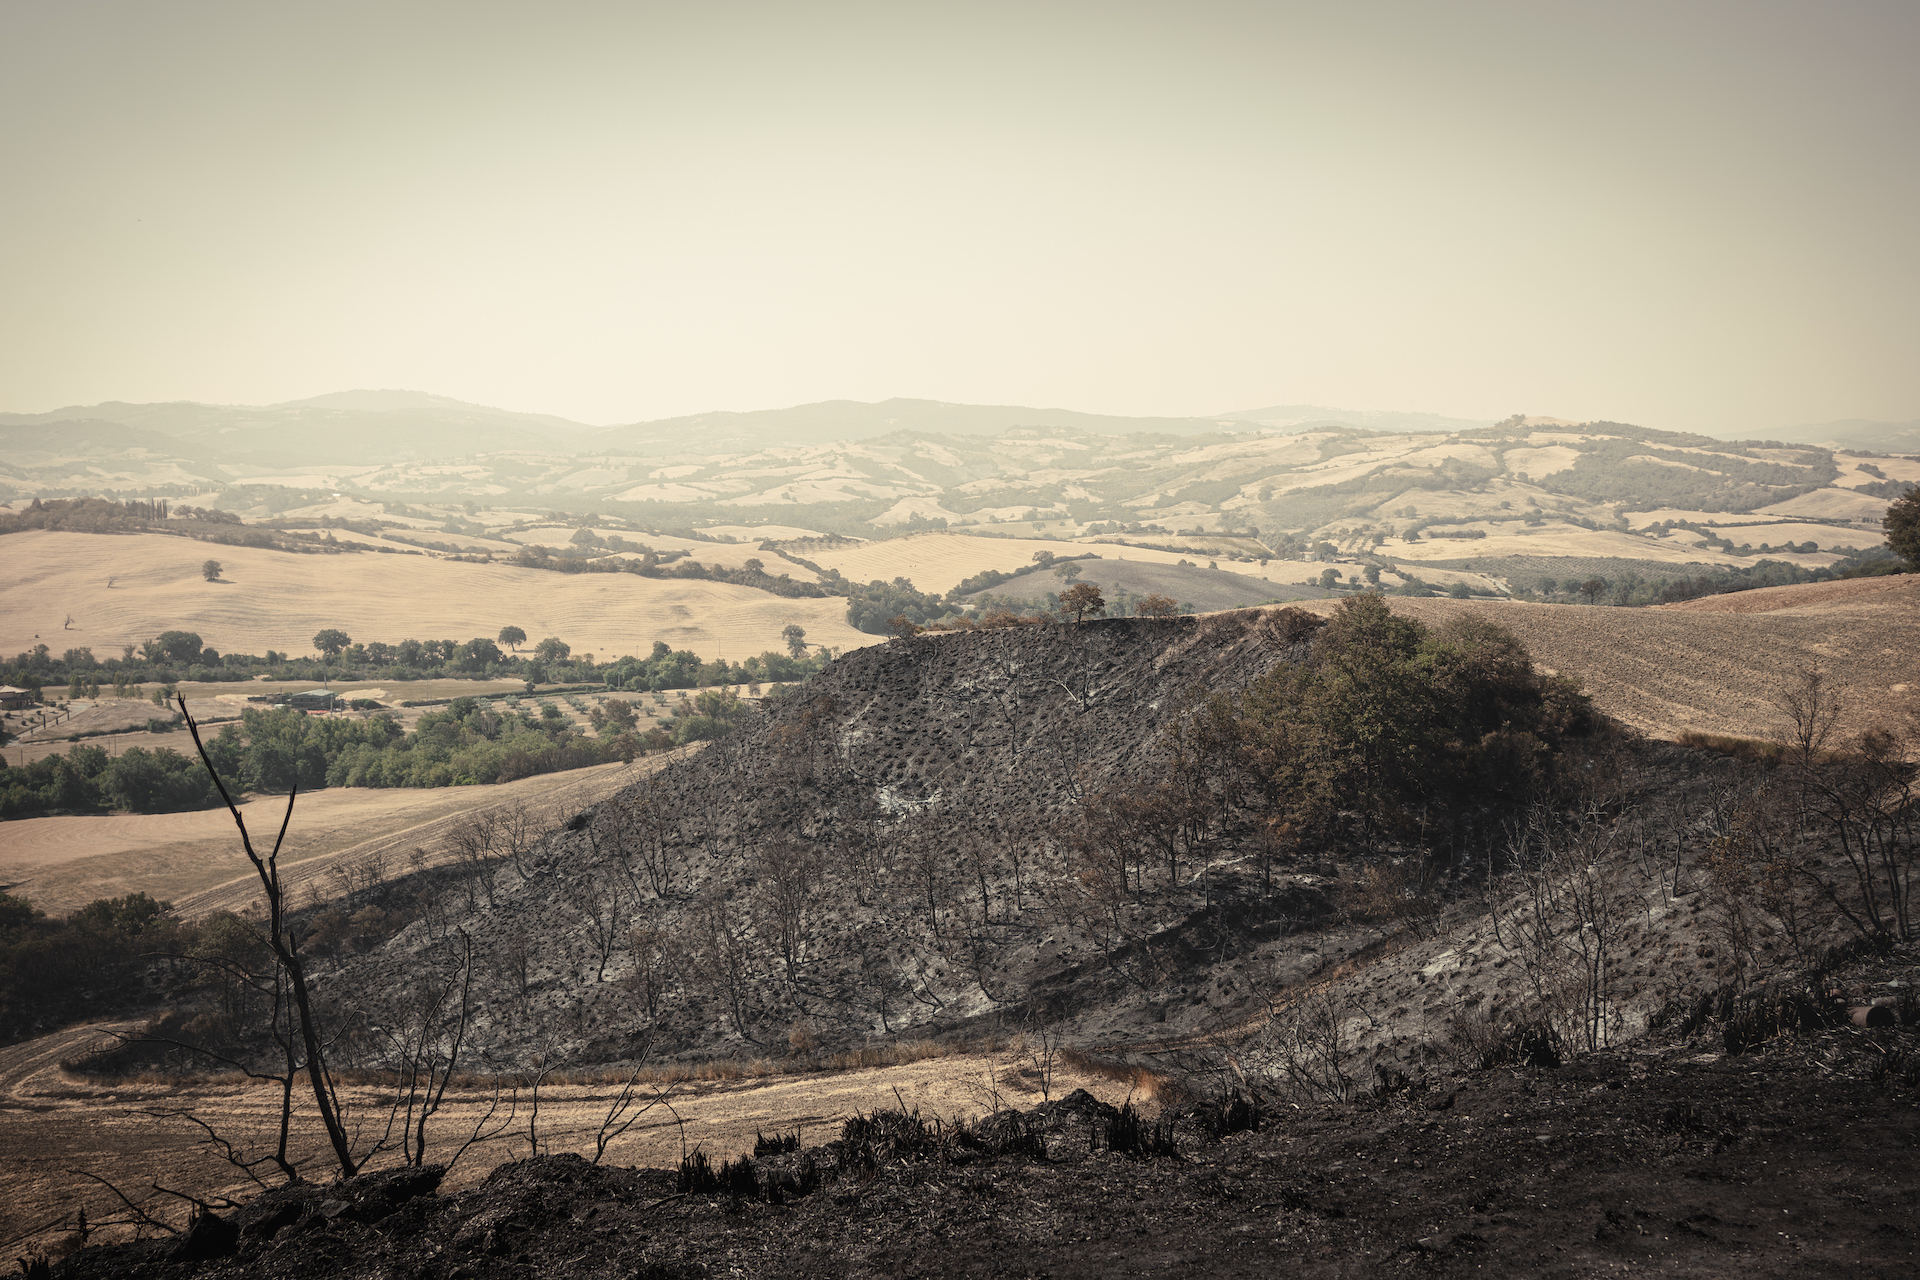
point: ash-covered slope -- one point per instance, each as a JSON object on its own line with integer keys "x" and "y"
{"x": 886, "y": 851}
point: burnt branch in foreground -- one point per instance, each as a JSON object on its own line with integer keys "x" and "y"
{"x": 286, "y": 955}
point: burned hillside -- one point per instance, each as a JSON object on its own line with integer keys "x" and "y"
{"x": 1121, "y": 828}
{"x": 881, "y": 852}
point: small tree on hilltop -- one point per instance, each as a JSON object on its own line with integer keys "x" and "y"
{"x": 1070, "y": 571}
{"x": 512, "y": 637}
{"x": 796, "y": 637}
{"x": 331, "y": 641}
{"x": 210, "y": 570}
{"x": 1081, "y": 600}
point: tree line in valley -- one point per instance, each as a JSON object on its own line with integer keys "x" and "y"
{"x": 175, "y": 656}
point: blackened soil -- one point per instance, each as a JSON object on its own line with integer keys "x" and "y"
{"x": 1677, "y": 1162}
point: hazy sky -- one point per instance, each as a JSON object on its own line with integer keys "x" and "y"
{"x": 1686, "y": 215}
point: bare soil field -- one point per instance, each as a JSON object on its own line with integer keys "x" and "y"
{"x": 108, "y": 715}
{"x": 1892, "y": 591}
{"x": 276, "y": 600}
{"x": 194, "y": 859}
{"x": 1717, "y": 670}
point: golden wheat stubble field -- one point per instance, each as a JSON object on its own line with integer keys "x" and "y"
{"x": 194, "y": 859}
{"x": 126, "y": 589}
{"x": 1717, "y": 665}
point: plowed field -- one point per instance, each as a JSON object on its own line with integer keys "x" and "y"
{"x": 1717, "y": 665}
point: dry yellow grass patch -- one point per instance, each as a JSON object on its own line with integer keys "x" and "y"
{"x": 1829, "y": 504}
{"x": 751, "y": 534}
{"x": 276, "y": 600}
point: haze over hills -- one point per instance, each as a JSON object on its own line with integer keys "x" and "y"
{"x": 831, "y": 420}
{"x": 1413, "y": 486}
{"x": 393, "y": 424}
{"x": 1301, "y": 416}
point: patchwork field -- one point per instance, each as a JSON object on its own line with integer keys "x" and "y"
{"x": 120, "y": 590}
{"x": 1568, "y": 540}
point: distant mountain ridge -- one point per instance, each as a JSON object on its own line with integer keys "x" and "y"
{"x": 830, "y": 420}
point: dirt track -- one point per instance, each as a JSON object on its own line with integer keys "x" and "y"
{"x": 52, "y": 1125}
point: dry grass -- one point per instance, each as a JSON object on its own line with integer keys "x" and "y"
{"x": 276, "y": 600}
{"x": 1758, "y": 750}
{"x": 1143, "y": 1083}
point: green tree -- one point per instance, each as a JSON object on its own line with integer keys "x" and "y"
{"x": 552, "y": 649}
{"x": 331, "y": 641}
{"x": 512, "y": 637}
{"x": 175, "y": 646}
{"x": 478, "y": 653}
{"x": 1903, "y": 527}
{"x": 210, "y": 570}
{"x": 793, "y": 633}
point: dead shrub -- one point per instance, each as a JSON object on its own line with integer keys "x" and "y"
{"x": 1130, "y": 1134}
{"x": 1485, "y": 1042}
